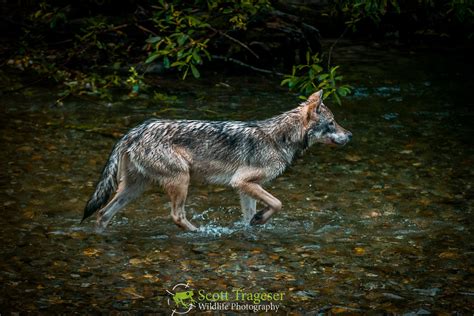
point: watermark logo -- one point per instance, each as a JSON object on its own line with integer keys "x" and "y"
{"x": 182, "y": 299}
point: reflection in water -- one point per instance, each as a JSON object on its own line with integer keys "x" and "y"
{"x": 383, "y": 224}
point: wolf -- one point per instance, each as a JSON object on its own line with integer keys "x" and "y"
{"x": 242, "y": 155}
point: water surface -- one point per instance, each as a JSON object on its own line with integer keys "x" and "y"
{"x": 383, "y": 224}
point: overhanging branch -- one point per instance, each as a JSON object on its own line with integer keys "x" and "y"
{"x": 241, "y": 63}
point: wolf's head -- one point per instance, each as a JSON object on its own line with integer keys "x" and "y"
{"x": 320, "y": 124}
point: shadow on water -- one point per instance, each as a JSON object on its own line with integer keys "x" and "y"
{"x": 383, "y": 224}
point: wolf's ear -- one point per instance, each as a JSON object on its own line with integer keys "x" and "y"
{"x": 313, "y": 102}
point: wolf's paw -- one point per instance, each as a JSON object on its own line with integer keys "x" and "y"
{"x": 101, "y": 224}
{"x": 99, "y": 229}
{"x": 259, "y": 218}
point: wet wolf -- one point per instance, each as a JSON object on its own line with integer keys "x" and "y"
{"x": 243, "y": 155}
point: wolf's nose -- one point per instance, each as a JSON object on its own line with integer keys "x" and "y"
{"x": 349, "y": 135}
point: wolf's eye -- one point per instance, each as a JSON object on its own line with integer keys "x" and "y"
{"x": 332, "y": 124}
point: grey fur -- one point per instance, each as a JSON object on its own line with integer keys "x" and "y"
{"x": 243, "y": 155}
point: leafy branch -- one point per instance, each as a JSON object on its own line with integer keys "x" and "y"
{"x": 310, "y": 77}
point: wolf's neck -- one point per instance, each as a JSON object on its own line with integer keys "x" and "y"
{"x": 286, "y": 127}
{"x": 287, "y": 131}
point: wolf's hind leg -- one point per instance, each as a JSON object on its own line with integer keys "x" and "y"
{"x": 249, "y": 207}
{"x": 130, "y": 187}
{"x": 126, "y": 192}
{"x": 177, "y": 190}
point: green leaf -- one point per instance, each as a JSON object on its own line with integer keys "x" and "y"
{"x": 182, "y": 39}
{"x": 166, "y": 62}
{"x": 323, "y": 77}
{"x": 192, "y": 21}
{"x": 207, "y": 54}
{"x": 153, "y": 40}
{"x": 178, "y": 64}
{"x": 338, "y": 99}
{"x": 185, "y": 73}
{"x": 151, "y": 58}
{"x": 196, "y": 57}
{"x": 323, "y": 85}
{"x": 195, "y": 72}
{"x": 341, "y": 91}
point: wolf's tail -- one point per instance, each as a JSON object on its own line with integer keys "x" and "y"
{"x": 107, "y": 184}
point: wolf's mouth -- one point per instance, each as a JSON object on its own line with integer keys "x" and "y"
{"x": 330, "y": 142}
{"x": 340, "y": 141}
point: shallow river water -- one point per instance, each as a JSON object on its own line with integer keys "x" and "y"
{"x": 383, "y": 224}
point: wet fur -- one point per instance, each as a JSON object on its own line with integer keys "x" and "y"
{"x": 243, "y": 155}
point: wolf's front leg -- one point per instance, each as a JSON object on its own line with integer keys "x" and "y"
{"x": 249, "y": 207}
{"x": 255, "y": 191}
